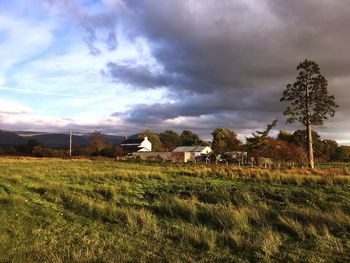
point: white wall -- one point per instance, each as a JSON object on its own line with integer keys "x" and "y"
{"x": 206, "y": 150}
{"x": 146, "y": 145}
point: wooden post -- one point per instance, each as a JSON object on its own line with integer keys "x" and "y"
{"x": 70, "y": 143}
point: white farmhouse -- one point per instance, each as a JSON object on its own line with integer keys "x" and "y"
{"x": 136, "y": 145}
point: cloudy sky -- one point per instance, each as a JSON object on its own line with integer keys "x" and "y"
{"x": 121, "y": 66}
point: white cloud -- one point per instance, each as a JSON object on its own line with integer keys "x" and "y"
{"x": 11, "y": 107}
{"x": 74, "y": 83}
{"x": 14, "y": 116}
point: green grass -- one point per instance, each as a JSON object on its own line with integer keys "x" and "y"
{"x": 104, "y": 211}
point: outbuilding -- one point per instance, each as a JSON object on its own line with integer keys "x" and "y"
{"x": 191, "y": 152}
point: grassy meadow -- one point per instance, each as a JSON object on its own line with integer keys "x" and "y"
{"x": 56, "y": 210}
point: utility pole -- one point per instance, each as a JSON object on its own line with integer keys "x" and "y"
{"x": 70, "y": 143}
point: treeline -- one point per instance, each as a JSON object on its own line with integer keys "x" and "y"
{"x": 287, "y": 146}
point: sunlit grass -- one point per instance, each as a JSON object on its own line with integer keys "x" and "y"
{"x": 55, "y": 210}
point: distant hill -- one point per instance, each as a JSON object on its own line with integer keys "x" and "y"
{"x": 52, "y": 140}
{"x": 115, "y": 139}
{"x": 10, "y": 138}
{"x": 135, "y": 136}
{"x": 60, "y": 140}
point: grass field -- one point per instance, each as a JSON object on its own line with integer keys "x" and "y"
{"x": 104, "y": 211}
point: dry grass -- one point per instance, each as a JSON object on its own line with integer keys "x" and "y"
{"x": 102, "y": 211}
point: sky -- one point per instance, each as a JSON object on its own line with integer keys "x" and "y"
{"x": 122, "y": 66}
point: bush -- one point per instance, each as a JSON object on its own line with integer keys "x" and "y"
{"x": 40, "y": 151}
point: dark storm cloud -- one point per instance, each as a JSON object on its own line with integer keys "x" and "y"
{"x": 227, "y": 62}
{"x": 213, "y": 45}
{"x": 138, "y": 76}
{"x": 235, "y": 57}
{"x": 232, "y": 102}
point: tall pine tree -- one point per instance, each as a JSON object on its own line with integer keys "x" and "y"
{"x": 310, "y": 101}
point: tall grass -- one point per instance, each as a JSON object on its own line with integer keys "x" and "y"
{"x": 103, "y": 211}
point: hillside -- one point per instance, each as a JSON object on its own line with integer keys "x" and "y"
{"x": 52, "y": 140}
{"x": 10, "y": 138}
{"x": 104, "y": 211}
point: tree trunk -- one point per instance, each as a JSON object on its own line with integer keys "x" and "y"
{"x": 310, "y": 148}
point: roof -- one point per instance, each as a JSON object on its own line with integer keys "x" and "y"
{"x": 131, "y": 148}
{"x": 190, "y": 148}
{"x": 133, "y": 141}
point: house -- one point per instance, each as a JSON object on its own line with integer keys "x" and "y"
{"x": 191, "y": 152}
{"x": 136, "y": 145}
{"x": 198, "y": 150}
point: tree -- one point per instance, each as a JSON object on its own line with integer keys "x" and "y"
{"x": 260, "y": 139}
{"x": 342, "y": 154}
{"x": 285, "y": 136}
{"x": 324, "y": 150}
{"x": 170, "y": 140}
{"x": 328, "y": 149}
{"x": 283, "y": 151}
{"x": 225, "y": 140}
{"x": 310, "y": 102}
{"x": 41, "y": 151}
{"x": 97, "y": 143}
{"x": 188, "y": 138}
{"x": 119, "y": 151}
{"x": 28, "y": 147}
{"x": 78, "y": 150}
{"x": 300, "y": 138}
